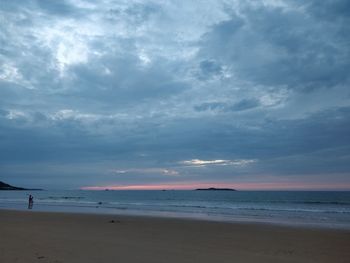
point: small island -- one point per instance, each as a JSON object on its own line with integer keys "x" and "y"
{"x": 4, "y": 186}
{"x": 215, "y": 189}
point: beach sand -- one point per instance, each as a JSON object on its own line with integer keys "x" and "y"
{"x": 62, "y": 238}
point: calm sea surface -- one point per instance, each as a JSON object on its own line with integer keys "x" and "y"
{"x": 326, "y": 209}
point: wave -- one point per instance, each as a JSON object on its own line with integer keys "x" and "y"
{"x": 78, "y": 200}
{"x": 220, "y": 209}
{"x": 297, "y": 210}
{"x": 62, "y": 197}
{"x": 304, "y": 202}
{"x": 200, "y": 207}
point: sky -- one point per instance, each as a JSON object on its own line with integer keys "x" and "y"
{"x": 151, "y": 94}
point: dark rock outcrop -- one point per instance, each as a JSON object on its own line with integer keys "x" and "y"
{"x": 4, "y": 186}
{"x": 215, "y": 189}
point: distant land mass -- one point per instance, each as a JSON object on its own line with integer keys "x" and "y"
{"x": 215, "y": 189}
{"x": 4, "y": 186}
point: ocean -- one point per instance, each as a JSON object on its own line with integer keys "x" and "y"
{"x": 319, "y": 209}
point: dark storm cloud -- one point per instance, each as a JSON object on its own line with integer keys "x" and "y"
{"x": 142, "y": 12}
{"x": 272, "y": 46}
{"x": 57, "y": 7}
{"x": 126, "y": 81}
{"x": 209, "y": 68}
{"x": 245, "y": 104}
{"x": 242, "y": 105}
{"x": 125, "y": 92}
{"x": 330, "y": 10}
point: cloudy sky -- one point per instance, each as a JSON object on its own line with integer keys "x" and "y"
{"x": 155, "y": 94}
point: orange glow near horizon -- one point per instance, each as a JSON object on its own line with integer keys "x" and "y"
{"x": 238, "y": 186}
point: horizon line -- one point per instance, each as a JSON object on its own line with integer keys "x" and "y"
{"x": 238, "y": 187}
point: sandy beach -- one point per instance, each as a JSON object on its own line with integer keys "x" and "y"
{"x": 62, "y": 237}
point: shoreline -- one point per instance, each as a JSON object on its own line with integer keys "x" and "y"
{"x": 191, "y": 220}
{"x": 181, "y": 218}
{"x": 30, "y": 236}
{"x": 313, "y": 210}
{"x": 88, "y": 210}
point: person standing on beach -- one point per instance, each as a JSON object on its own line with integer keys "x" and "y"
{"x": 30, "y": 202}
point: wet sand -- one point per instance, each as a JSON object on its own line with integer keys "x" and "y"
{"x": 27, "y": 236}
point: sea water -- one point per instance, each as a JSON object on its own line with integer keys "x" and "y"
{"x": 325, "y": 209}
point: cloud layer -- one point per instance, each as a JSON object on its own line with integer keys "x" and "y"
{"x": 174, "y": 92}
